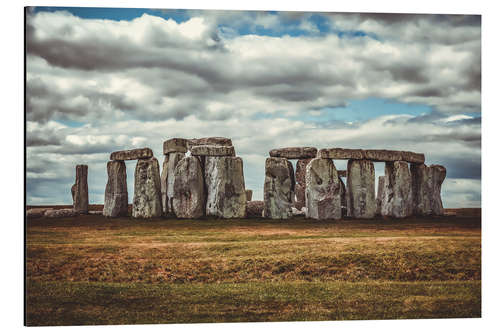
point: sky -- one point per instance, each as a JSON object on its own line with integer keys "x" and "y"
{"x": 105, "y": 79}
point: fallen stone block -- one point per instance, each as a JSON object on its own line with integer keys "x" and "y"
{"x": 397, "y": 193}
{"x": 133, "y": 154}
{"x": 211, "y": 150}
{"x": 279, "y": 186}
{"x": 189, "y": 191}
{"x": 299, "y": 212}
{"x": 95, "y": 212}
{"x": 116, "y": 194}
{"x": 255, "y": 208}
{"x": 175, "y": 145}
{"x": 225, "y": 186}
{"x": 67, "y": 212}
{"x": 35, "y": 212}
{"x": 147, "y": 189}
{"x": 294, "y": 152}
{"x": 80, "y": 190}
{"x": 323, "y": 190}
{"x": 341, "y": 154}
{"x": 360, "y": 198}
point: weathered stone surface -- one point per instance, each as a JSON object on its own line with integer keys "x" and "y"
{"x": 438, "y": 176}
{"x": 80, "y": 190}
{"x": 175, "y": 145}
{"x": 382, "y": 155}
{"x": 189, "y": 194}
{"x": 225, "y": 186}
{"x": 211, "y": 150}
{"x": 299, "y": 212}
{"x": 323, "y": 190}
{"x": 279, "y": 186}
{"x": 213, "y": 141}
{"x": 360, "y": 198}
{"x": 380, "y": 193}
{"x": 342, "y": 173}
{"x": 173, "y": 160}
{"x": 412, "y": 157}
{"x": 35, "y": 212}
{"x": 377, "y": 155}
{"x": 249, "y": 194}
{"x": 397, "y": 193}
{"x": 343, "y": 196}
{"x": 294, "y": 152}
{"x": 163, "y": 184}
{"x": 133, "y": 154}
{"x": 422, "y": 189}
{"x": 300, "y": 196}
{"x": 95, "y": 212}
{"x": 147, "y": 189}
{"x": 340, "y": 153}
{"x": 300, "y": 171}
{"x": 116, "y": 195}
{"x": 255, "y": 208}
{"x": 67, "y": 212}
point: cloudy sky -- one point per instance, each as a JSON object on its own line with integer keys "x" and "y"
{"x": 100, "y": 80}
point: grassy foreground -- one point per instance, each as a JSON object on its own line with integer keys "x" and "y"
{"x": 93, "y": 270}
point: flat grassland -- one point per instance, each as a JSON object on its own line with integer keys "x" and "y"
{"x": 93, "y": 270}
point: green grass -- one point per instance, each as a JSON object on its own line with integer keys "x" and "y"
{"x": 93, "y": 270}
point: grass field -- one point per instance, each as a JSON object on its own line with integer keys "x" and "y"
{"x": 93, "y": 270}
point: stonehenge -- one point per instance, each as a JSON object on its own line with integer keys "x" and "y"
{"x": 204, "y": 177}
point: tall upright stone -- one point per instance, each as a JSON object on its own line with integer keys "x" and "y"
{"x": 249, "y": 194}
{"x": 163, "y": 183}
{"x": 300, "y": 187}
{"x": 323, "y": 190}
{"x": 397, "y": 197}
{"x": 116, "y": 195}
{"x": 422, "y": 189}
{"x": 173, "y": 160}
{"x": 343, "y": 196}
{"x": 279, "y": 186}
{"x": 147, "y": 189}
{"x": 438, "y": 176}
{"x": 380, "y": 193}
{"x": 225, "y": 186}
{"x": 189, "y": 195}
{"x": 361, "y": 202}
{"x": 80, "y": 190}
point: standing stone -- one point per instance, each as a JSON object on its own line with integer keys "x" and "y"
{"x": 397, "y": 200}
{"x": 380, "y": 193}
{"x": 343, "y": 196}
{"x": 300, "y": 196}
{"x": 438, "y": 176}
{"x": 80, "y": 190}
{"x": 189, "y": 195}
{"x": 147, "y": 189}
{"x": 249, "y": 194}
{"x": 225, "y": 187}
{"x": 279, "y": 186}
{"x": 173, "y": 160}
{"x": 323, "y": 190}
{"x": 422, "y": 189}
{"x": 116, "y": 195}
{"x": 163, "y": 182}
{"x": 361, "y": 202}
{"x": 300, "y": 188}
